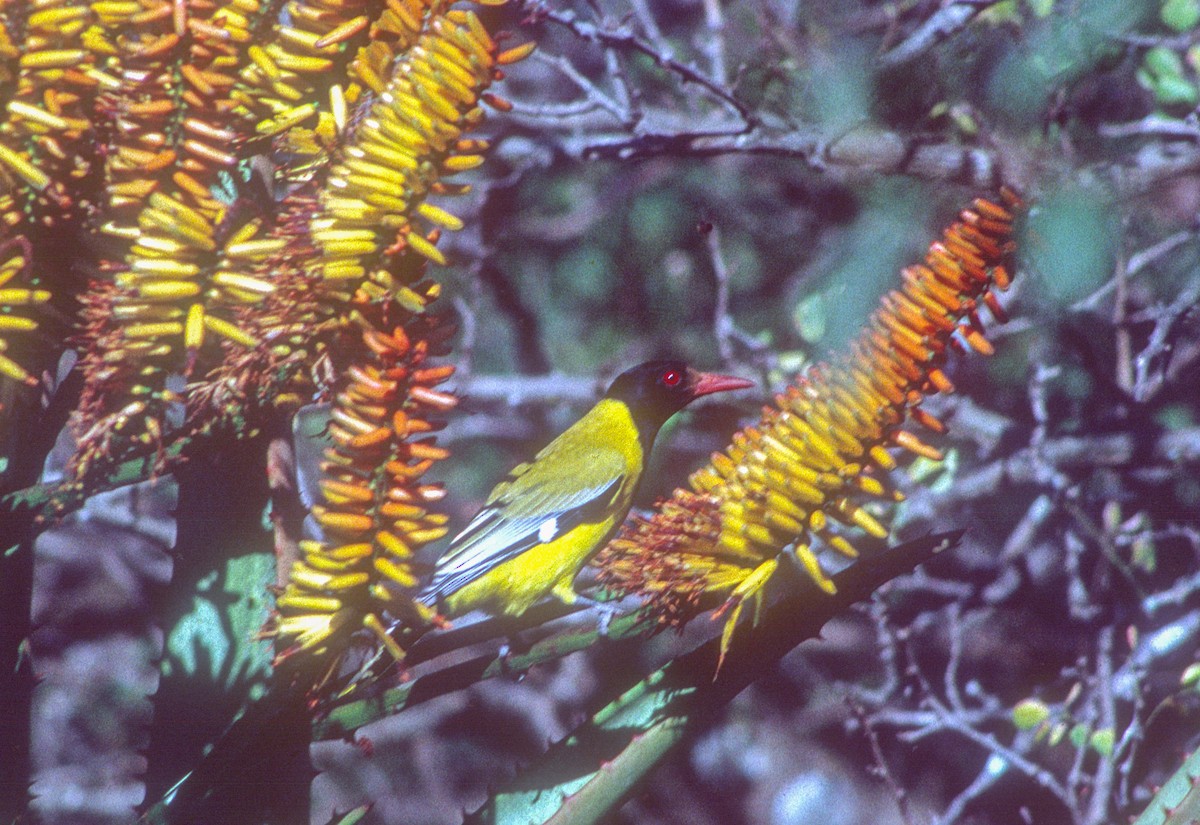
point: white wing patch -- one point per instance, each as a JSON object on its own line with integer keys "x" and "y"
{"x": 497, "y": 535}
{"x": 548, "y": 530}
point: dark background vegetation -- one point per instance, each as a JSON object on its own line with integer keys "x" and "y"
{"x": 738, "y": 182}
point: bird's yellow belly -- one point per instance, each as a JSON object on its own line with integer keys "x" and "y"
{"x": 514, "y": 586}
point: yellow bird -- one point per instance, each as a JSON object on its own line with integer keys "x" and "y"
{"x": 549, "y": 516}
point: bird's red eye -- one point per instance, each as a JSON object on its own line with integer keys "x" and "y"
{"x": 671, "y": 378}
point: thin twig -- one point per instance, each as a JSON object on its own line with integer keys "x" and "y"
{"x": 1137, "y": 262}
{"x": 1100, "y": 790}
{"x": 1123, "y": 360}
{"x": 714, "y": 42}
{"x": 625, "y": 39}
{"x": 1037, "y": 773}
{"x": 986, "y": 778}
{"x": 592, "y": 93}
{"x": 1159, "y": 347}
{"x": 723, "y": 326}
{"x": 1153, "y": 125}
{"x": 899, "y": 794}
{"x": 941, "y": 26}
{"x": 646, "y": 17}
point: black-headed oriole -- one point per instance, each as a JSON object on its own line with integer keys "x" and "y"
{"x": 546, "y": 519}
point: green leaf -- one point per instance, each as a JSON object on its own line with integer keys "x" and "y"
{"x": 1180, "y": 15}
{"x": 1173, "y": 90}
{"x": 1102, "y": 742}
{"x": 1163, "y": 62}
{"x": 1143, "y": 553}
{"x": 964, "y": 119}
{"x": 1078, "y": 735}
{"x": 352, "y": 817}
{"x": 1111, "y": 516}
{"x": 1057, "y": 732}
{"x": 1029, "y": 713}
{"x": 1041, "y": 8}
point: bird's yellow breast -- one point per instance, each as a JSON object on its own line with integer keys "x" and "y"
{"x": 515, "y": 585}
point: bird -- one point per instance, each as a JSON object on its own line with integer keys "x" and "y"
{"x": 549, "y": 516}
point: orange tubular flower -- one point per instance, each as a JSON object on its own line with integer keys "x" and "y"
{"x": 795, "y": 480}
{"x": 376, "y": 512}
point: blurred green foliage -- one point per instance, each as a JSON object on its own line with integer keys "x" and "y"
{"x": 1163, "y": 73}
{"x": 1176, "y": 416}
{"x": 1040, "y": 8}
{"x": 1169, "y": 70}
{"x": 613, "y": 266}
{"x": 862, "y": 260}
{"x": 1069, "y": 242}
{"x": 1180, "y": 15}
{"x": 1057, "y": 50}
{"x": 839, "y": 86}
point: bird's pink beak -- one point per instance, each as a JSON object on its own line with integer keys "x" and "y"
{"x": 706, "y": 383}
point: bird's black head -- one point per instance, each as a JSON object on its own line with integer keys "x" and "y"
{"x": 656, "y": 390}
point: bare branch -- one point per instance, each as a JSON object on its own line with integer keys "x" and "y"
{"x": 941, "y": 26}
{"x": 1160, "y": 346}
{"x": 1061, "y": 455}
{"x": 714, "y": 43}
{"x": 624, "y": 39}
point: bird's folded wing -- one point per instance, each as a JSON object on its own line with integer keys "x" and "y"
{"x": 541, "y": 503}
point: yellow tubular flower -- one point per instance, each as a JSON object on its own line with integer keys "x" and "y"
{"x": 373, "y": 234}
